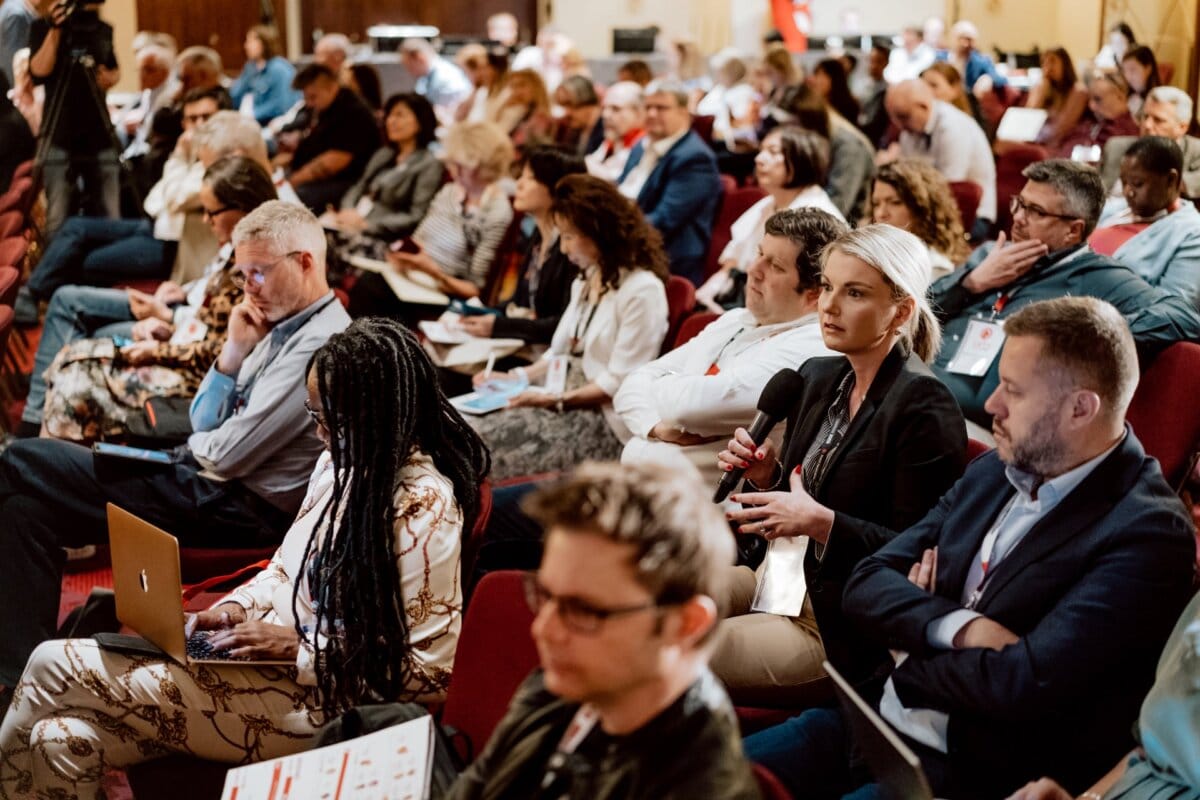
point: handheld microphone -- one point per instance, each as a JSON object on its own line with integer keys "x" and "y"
{"x": 775, "y": 403}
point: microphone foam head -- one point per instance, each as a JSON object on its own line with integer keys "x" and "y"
{"x": 779, "y": 395}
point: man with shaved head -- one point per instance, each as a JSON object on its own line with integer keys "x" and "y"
{"x": 951, "y": 140}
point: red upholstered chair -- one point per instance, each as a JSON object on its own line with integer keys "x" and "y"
{"x": 197, "y": 564}
{"x": 769, "y": 786}
{"x": 681, "y": 298}
{"x": 6, "y": 390}
{"x": 692, "y": 324}
{"x": 702, "y": 124}
{"x": 976, "y": 448}
{"x": 966, "y": 196}
{"x": 1009, "y": 180}
{"x": 11, "y": 223}
{"x": 495, "y": 654}
{"x": 474, "y": 538}
{"x": 12, "y": 251}
{"x": 735, "y": 202}
{"x": 1164, "y": 413}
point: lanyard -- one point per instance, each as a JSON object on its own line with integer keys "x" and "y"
{"x": 582, "y": 724}
{"x": 714, "y": 368}
{"x": 986, "y": 553}
{"x": 585, "y": 322}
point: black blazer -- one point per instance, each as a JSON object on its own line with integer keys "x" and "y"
{"x": 1093, "y": 591}
{"x": 903, "y": 449}
{"x": 548, "y": 303}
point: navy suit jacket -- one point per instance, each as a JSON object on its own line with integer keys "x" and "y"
{"x": 1092, "y": 591}
{"x": 680, "y": 199}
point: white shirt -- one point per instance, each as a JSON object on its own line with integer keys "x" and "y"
{"x": 1015, "y": 520}
{"x": 958, "y": 148}
{"x": 747, "y": 230}
{"x": 726, "y": 104}
{"x": 631, "y": 187}
{"x": 619, "y": 334}
{"x": 906, "y": 66}
{"x": 176, "y": 193}
{"x": 678, "y": 390}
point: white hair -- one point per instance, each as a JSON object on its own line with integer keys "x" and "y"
{"x": 1175, "y": 97}
{"x": 625, "y": 93}
{"x": 229, "y": 132}
{"x": 163, "y": 56}
{"x": 286, "y": 227}
{"x": 338, "y": 41}
{"x": 903, "y": 261}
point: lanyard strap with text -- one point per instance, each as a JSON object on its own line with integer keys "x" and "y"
{"x": 986, "y": 551}
{"x": 582, "y": 724}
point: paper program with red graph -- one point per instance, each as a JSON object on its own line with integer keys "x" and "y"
{"x": 392, "y": 764}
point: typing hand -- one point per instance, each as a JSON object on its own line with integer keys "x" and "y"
{"x": 1004, "y": 264}
{"x": 758, "y": 462}
{"x": 1044, "y": 789}
{"x": 984, "y": 633}
{"x": 923, "y": 574}
{"x": 776, "y": 514}
{"x": 219, "y": 617}
{"x": 258, "y": 640}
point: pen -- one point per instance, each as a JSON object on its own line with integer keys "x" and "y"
{"x": 487, "y": 371}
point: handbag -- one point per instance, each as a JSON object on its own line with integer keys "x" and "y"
{"x": 163, "y": 421}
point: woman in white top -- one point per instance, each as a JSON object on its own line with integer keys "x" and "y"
{"x": 910, "y": 194}
{"x": 614, "y": 323}
{"x": 363, "y": 596}
{"x": 791, "y": 167}
{"x": 732, "y": 102}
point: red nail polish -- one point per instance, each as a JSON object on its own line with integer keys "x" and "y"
{"x": 760, "y": 455}
{"x": 726, "y": 467}
{"x": 745, "y": 464}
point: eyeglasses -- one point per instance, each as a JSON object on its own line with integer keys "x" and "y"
{"x": 577, "y": 615}
{"x": 257, "y": 275}
{"x": 216, "y": 212}
{"x": 1033, "y": 212}
{"x": 314, "y": 415}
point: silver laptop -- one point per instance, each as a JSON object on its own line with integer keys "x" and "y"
{"x": 149, "y": 591}
{"x": 893, "y": 764}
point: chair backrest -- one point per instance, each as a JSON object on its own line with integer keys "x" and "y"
{"x": 702, "y": 124}
{"x": 769, "y": 786}
{"x": 1009, "y": 179}
{"x": 11, "y": 223}
{"x": 734, "y": 203}
{"x": 10, "y": 282}
{"x": 967, "y": 195}
{"x": 474, "y": 537}
{"x": 681, "y": 298}
{"x": 1164, "y": 413}
{"x": 495, "y": 654}
{"x": 976, "y": 448}
{"x": 12, "y": 251}
{"x": 692, "y": 324}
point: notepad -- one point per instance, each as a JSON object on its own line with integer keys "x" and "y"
{"x": 1021, "y": 124}
{"x": 409, "y": 287}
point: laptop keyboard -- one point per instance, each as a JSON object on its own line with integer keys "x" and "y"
{"x": 198, "y": 649}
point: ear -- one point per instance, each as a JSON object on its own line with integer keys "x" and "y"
{"x": 1076, "y": 231}
{"x": 1085, "y": 407}
{"x": 904, "y": 312}
{"x": 694, "y": 619}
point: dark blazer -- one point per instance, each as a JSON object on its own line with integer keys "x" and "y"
{"x": 1156, "y": 317}
{"x": 903, "y": 449}
{"x": 402, "y": 194}
{"x": 1092, "y": 591}
{"x": 680, "y": 199}
{"x": 557, "y": 273}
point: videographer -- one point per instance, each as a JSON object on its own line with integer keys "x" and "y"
{"x": 73, "y": 56}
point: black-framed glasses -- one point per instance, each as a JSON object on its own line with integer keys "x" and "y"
{"x": 257, "y": 275}
{"x": 216, "y": 212}
{"x": 313, "y": 414}
{"x": 1017, "y": 204}
{"x": 577, "y": 615}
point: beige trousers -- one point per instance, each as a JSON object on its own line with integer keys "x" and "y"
{"x": 766, "y": 660}
{"x": 80, "y": 710}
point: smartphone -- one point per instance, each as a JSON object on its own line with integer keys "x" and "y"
{"x": 122, "y": 341}
{"x": 468, "y": 310}
{"x": 405, "y": 245}
{"x": 109, "y": 450}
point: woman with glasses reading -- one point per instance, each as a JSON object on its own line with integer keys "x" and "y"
{"x": 363, "y": 597}
{"x": 138, "y": 345}
{"x": 872, "y": 443}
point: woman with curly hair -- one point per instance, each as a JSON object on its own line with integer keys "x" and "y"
{"x": 614, "y": 323}
{"x": 910, "y": 194}
{"x": 363, "y": 597}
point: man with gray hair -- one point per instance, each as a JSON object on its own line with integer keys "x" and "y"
{"x": 1045, "y": 256}
{"x": 439, "y": 81}
{"x": 1166, "y": 112}
{"x": 623, "y": 115}
{"x": 672, "y": 174}
{"x": 239, "y": 479}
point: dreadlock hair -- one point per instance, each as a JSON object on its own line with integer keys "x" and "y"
{"x": 380, "y": 401}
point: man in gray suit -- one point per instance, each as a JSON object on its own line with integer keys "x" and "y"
{"x": 1166, "y": 112}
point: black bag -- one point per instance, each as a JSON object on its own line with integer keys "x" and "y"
{"x": 163, "y": 422}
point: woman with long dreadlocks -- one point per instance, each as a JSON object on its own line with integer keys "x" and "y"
{"x": 363, "y": 594}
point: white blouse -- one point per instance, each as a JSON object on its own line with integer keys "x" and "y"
{"x": 428, "y": 535}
